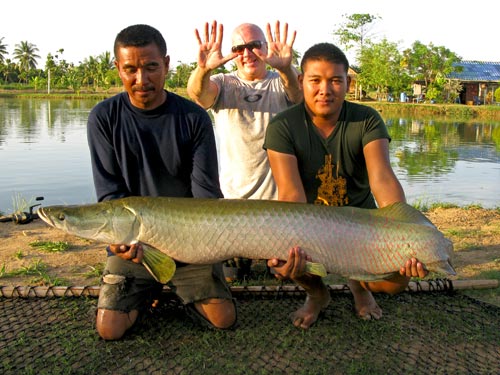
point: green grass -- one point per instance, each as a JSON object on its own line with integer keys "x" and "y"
{"x": 20, "y": 203}
{"x": 50, "y": 246}
{"x": 486, "y": 295}
{"x": 37, "y": 270}
{"x": 463, "y": 233}
{"x": 38, "y": 267}
{"x": 424, "y": 205}
{"x": 491, "y": 295}
{"x": 94, "y": 271}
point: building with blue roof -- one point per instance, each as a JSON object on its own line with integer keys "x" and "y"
{"x": 479, "y": 80}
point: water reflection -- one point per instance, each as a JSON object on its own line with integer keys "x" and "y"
{"x": 447, "y": 160}
{"x": 432, "y": 148}
{"x": 43, "y": 152}
{"x": 43, "y": 149}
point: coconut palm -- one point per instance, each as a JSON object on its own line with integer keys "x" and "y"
{"x": 8, "y": 71}
{"x": 3, "y": 50}
{"x": 106, "y": 61}
{"x": 25, "y": 54}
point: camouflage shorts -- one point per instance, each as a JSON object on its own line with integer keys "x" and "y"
{"x": 128, "y": 286}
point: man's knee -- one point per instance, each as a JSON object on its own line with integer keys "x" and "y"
{"x": 221, "y": 313}
{"x": 112, "y": 325}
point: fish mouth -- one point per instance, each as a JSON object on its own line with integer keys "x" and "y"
{"x": 43, "y": 215}
{"x": 444, "y": 267}
{"x": 450, "y": 268}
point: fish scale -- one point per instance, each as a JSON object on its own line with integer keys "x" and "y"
{"x": 365, "y": 244}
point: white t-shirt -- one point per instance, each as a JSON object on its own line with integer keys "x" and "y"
{"x": 241, "y": 112}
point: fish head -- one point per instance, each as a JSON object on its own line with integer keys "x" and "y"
{"x": 443, "y": 267}
{"x": 107, "y": 222}
{"x": 441, "y": 260}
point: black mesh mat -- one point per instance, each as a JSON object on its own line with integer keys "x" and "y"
{"x": 442, "y": 332}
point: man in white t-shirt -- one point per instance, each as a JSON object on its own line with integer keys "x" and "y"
{"x": 242, "y": 102}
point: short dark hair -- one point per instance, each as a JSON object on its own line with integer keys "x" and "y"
{"x": 139, "y": 36}
{"x": 327, "y": 52}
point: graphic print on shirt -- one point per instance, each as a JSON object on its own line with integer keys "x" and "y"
{"x": 252, "y": 98}
{"x": 333, "y": 188}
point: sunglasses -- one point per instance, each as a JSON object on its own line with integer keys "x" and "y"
{"x": 240, "y": 48}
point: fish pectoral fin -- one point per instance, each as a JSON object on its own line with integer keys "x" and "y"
{"x": 160, "y": 265}
{"x": 316, "y": 269}
{"x": 372, "y": 278}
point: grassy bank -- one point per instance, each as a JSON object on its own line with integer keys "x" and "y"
{"x": 482, "y": 112}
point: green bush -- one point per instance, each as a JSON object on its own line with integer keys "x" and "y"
{"x": 497, "y": 95}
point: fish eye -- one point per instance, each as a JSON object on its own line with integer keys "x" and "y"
{"x": 61, "y": 217}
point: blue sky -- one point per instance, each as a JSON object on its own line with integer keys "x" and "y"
{"x": 88, "y": 28}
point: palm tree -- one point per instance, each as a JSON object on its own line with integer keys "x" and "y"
{"x": 25, "y": 54}
{"x": 9, "y": 71}
{"x": 90, "y": 67}
{"x": 105, "y": 64}
{"x": 106, "y": 61}
{"x": 3, "y": 50}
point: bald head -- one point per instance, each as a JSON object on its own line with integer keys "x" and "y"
{"x": 247, "y": 32}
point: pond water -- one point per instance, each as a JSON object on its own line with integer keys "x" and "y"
{"x": 43, "y": 152}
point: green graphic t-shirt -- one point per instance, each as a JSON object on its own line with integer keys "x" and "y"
{"x": 333, "y": 170}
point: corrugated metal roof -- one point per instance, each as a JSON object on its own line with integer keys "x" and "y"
{"x": 477, "y": 71}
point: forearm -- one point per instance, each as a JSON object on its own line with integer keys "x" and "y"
{"x": 289, "y": 77}
{"x": 198, "y": 87}
{"x": 291, "y": 195}
{"x": 287, "y": 176}
{"x": 384, "y": 184}
{"x": 388, "y": 192}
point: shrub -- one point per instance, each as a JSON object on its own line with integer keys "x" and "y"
{"x": 497, "y": 95}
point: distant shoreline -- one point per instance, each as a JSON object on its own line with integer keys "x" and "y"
{"x": 482, "y": 112}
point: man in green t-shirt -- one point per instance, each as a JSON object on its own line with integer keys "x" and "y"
{"x": 330, "y": 151}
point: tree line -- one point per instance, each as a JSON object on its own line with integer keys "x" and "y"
{"x": 382, "y": 69}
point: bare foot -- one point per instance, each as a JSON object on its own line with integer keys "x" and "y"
{"x": 318, "y": 295}
{"x": 364, "y": 304}
{"x": 307, "y": 315}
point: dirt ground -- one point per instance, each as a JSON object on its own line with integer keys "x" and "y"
{"x": 474, "y": 232}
